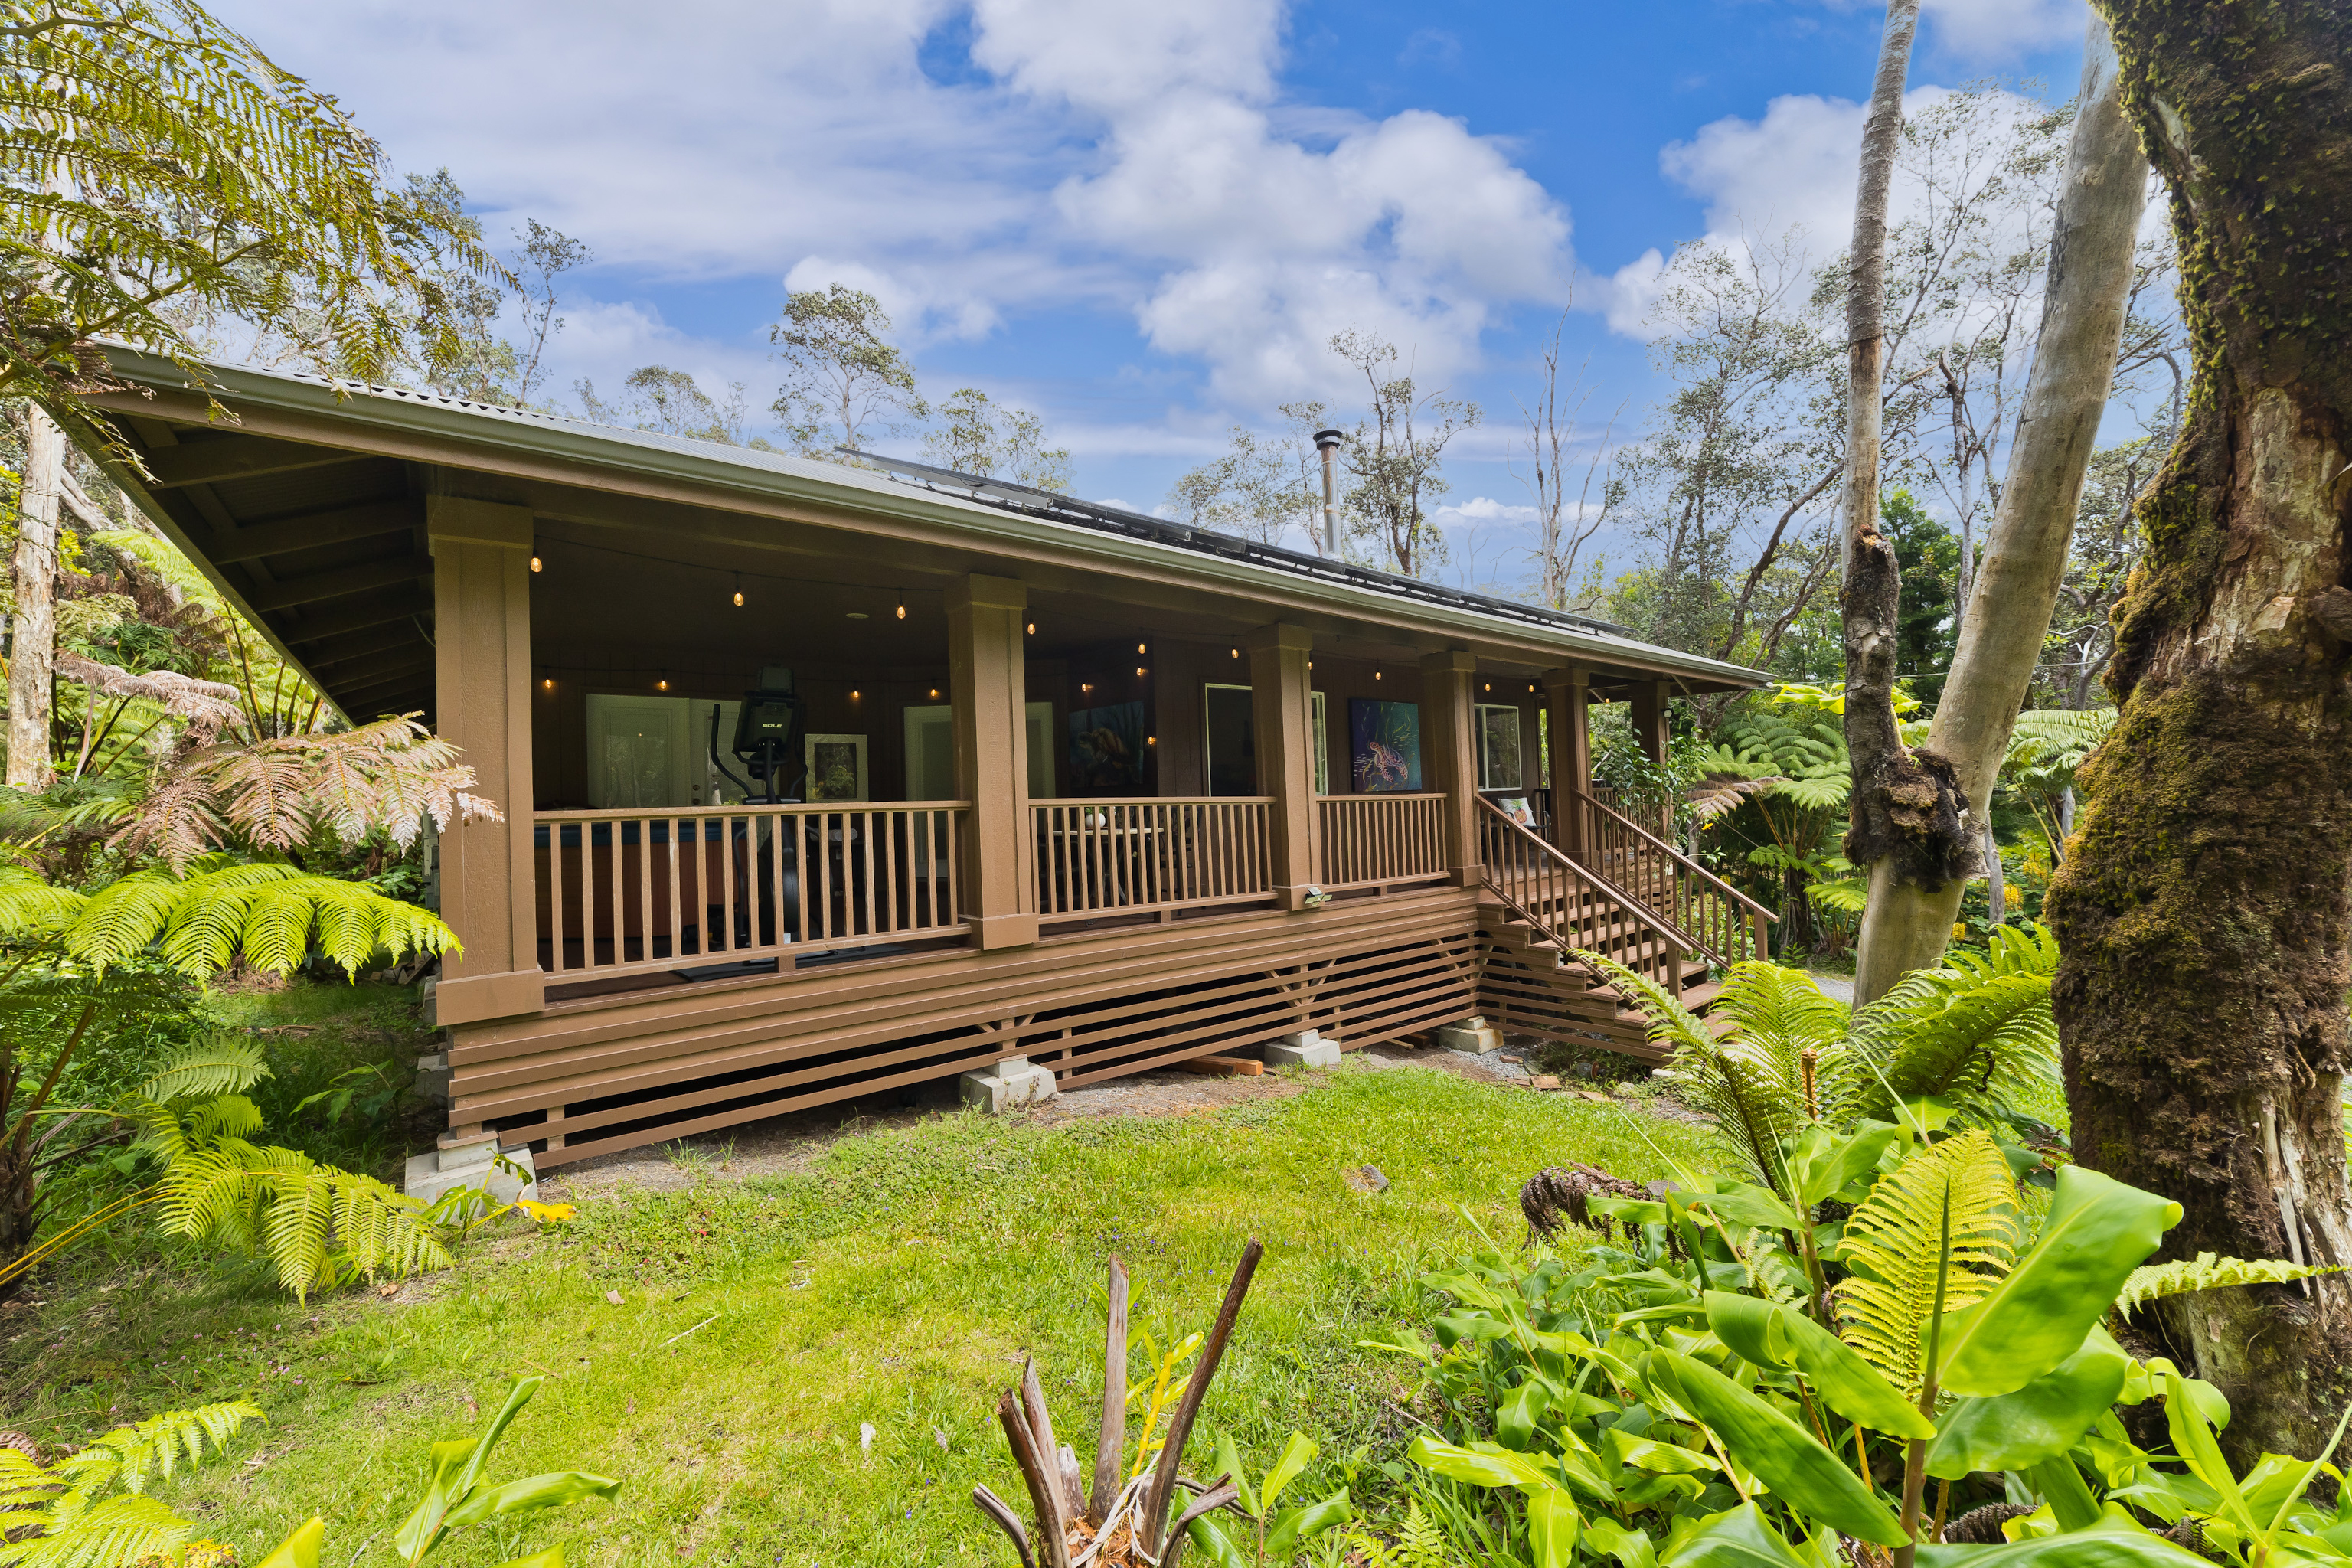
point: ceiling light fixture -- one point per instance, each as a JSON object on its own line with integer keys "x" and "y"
{"x": 858, "y": 615}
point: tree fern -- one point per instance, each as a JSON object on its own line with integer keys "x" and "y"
{"x": 2207, "y": 1272}
{"x": 1751, "y": 1088}
{"x": 217, "y": 1064}
{"x": 266, "y": 911}
{"x": 90, "y": 1510}
{"x": 317, "y": 1223}
{"x": 1894, "y": 1245}
{"x": 1419, "y": 1544}
{"x": 1974, "y": 1028}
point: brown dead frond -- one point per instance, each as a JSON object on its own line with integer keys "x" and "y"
{"x": 281, "y": 792}
{"x": 206, "y": 705}
{"x": 1718, "y": 794}
{"x": 1556, "y": 1196}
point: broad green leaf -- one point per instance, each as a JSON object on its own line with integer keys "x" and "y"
{"x": 299, "y": 1550}
{"x": 2085, "y": 1549}
{"x": 1629, "y": 1547}
{"x": 2061, "y": 1485}
{"x": 1642, "y": 1454}
{"x": 1771, "y": 1335}
{"x": 1738, "y": 1538}
{"x": 1454, "y": 1328}
{"x": 2097, "y": 1232}
{"x": 1478, "y": 1468}
{"x": 1552, "y": 1524}
{"x": 1517, "y": 1413}
{"x": 2192, "y": 1439}
{"x": 2018, "y": 1430}
{"x": 1228, "y": 1464}
{"x": 1304, "y": 1523}
{"x": 557, "y": 1489}
{"x": 1782, "y": 1455}
{"x": 1824, "y": 1165}
{"x": 1748, "y": 1205}
{"x": 1212, "y": 1536}
{"x": 1652, "y": 1490}
{"x": 1295, "y": 1455}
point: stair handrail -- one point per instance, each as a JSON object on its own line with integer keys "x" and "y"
{"x": 1701, "y": 872}
{"x": 1633, "y": 907}
{"x": 1758, "y": 917}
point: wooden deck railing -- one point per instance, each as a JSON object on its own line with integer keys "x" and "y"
{"x": 1131, "y": 856}
{"x": 631, "y": 892}
{"x": 1572, "y": 908}
{"x": 1726, "y": 923}
{"x": 1375, "y": 838}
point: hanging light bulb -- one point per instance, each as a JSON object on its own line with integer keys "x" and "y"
{"x": 663, "y": 684}
{"x": 902, "y": 612}
{"x": 1033, "y": 628}
{"x": 534, "y": 563}
{"x": 739, "y": 590}
{"x": 1138, "y": 647}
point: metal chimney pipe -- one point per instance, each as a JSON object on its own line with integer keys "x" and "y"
{"x": 1326, "y": 442}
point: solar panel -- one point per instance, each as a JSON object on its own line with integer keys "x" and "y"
{"x": 1056, "y": 507}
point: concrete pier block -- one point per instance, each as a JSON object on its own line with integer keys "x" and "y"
{"x": 1470, "y": 1035}
{"x": 1015, "y": 1081}
{"x": 1307, "y": 1048}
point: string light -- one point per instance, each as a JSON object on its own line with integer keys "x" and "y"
{"x": 1376, "y": 675}
{"x": 935, "y": 691}
{"x": 534, "y": 563}
{"x": 739, "y": 590}
{"x": 1033, "y": 628}
{"x": 549, "y": 684}
{"x": 663, "y": 684}
{"x": 1237, "y": 653}
{"x": 1152, "y": 740}
{"x": 902, "y": 612}
{"x": 1138, "y": 647}
{"x": 1083, "y": 687}
{"x": 1138, "y": 672}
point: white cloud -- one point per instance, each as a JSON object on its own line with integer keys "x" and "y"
{"x": 1127, "y": 155}
{"x": 1993, "y": 31}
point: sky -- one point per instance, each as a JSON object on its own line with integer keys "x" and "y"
{"x": 1144, "y": 220}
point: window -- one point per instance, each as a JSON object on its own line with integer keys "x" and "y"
{"x": 1229, "y": 732}
{"x": 1499, "y": 766}
{"x": 1230, "y": 742}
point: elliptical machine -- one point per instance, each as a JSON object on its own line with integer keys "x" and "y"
{"x": 767, "y": 742}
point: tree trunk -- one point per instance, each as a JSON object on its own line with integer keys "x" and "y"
{"x": 1909, "y": 923}
{"x": 1907, "y": 825}
{"x": 2202, "y": 913}
{"x": 32, "y": 660}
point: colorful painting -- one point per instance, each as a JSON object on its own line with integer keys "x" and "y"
{"x": 837, "y": 767}
{"x": 1106, "y": 749}
{"x": 1384, "y": 745}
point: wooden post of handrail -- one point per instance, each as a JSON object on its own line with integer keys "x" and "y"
{"x": 1450, "y": 755}
{"x": 988, "y": 680}
{"x": 1282, "y": 718}
{"x": 1569, "y": 728}
{"x": 481, "y": 610}
{"x": 1650, "y": 719}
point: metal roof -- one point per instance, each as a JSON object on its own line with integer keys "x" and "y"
{"x": 989, "y": 512}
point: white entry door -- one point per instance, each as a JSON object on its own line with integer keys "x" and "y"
{"x": 641, "y": 754}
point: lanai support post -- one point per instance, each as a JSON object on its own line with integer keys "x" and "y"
{"x": 1450, "y": 757}
{"x": 1649, "y": 719}
{"x": 989, "y": 683}
{"x": 1569, "y": 729}
{"x": 481, "y": 620}
{"x": 1282, "y": 715}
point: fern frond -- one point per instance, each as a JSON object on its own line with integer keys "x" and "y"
{"x": 219, "y": 1063}
{"x": 1892, "y": 1245}
{"x": 1975, "y": 1027}
{"x": 1750, "y": 1085}
{"x": 264, "y": 912}
{"x": 317, "y": 1223}
{"x": 2207, "y": 1272}
{"x": 125, "y": 1455}
{"x": 30, "y": 907}
{"x": 131, "y": 1528}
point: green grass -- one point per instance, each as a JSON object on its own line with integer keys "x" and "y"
{"x": 900, "y": 1283}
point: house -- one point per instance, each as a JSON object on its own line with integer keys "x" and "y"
{"x": 819, "y": 781}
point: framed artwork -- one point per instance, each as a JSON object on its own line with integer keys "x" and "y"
{"x": 837, "y": 767}
{"x": 1106, "y": 749}
{"x": 1499, "y": 747}
{"x": 1383, "y": 745}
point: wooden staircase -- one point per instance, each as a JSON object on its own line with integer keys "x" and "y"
{"x": 1541, "y": 905}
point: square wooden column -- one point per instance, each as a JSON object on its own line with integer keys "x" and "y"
{"x": 481, "y": 637}
{"x": 1450, "y": 757}
{"x": 1650, "y": 719}
{"x": 1567, "y": 724}
{"x": 988, "y": 679}
{"x": 1282, "y": 717}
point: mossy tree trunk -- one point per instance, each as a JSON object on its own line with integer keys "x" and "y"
{"x": 2204, "y": 910}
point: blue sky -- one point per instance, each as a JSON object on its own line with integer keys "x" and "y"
{"x": 1142, "y": 219}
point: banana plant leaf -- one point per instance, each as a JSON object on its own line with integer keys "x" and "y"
{"x": 1737, "y": 1538}
{"x": 2018, "y": 1430}
{"x": 1785, "y": 1456}
{"x": 2097, "y": 1232}
{"x": 1771, "y": 1335}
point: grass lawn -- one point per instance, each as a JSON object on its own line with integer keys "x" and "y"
{"x": 897, "y": 1284}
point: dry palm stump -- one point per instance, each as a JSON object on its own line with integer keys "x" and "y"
{"x": 1113, "y": 1525}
